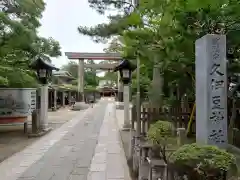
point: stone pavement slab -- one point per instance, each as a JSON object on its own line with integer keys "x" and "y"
{"x": 63, "y": 154}
{"x": 109, "y": 161}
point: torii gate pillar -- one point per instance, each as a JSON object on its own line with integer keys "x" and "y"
{"x": 80, "y": 97}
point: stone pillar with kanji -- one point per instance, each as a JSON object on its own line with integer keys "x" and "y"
{"x": 211, "y": 90}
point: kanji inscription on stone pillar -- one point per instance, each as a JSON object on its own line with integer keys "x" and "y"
{"x": 211, "y": 90}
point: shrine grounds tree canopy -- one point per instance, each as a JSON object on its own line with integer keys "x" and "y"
{"x": 164, "y": 32}
{"x": 20, "y": 43}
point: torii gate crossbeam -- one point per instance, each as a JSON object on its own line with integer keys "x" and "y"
{"x": 81, "y": 56}
{"x": 94, "y": 56}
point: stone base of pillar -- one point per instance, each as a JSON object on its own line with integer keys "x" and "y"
{"x": 45, "y": 127}
{"x": 38, "y": 129}
{"x": 40, "y": 133}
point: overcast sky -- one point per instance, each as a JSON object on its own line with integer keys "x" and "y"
{"x": 60, "y": 21}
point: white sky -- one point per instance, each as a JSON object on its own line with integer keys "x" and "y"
{"x": 60, "y": 21}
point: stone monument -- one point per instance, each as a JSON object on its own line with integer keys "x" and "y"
{"x": 211, "y": 90}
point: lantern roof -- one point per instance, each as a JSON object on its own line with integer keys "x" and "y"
{"x": 125, "y": 64}
{"x": 42, "y": 62}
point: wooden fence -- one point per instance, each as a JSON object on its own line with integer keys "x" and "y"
{"x": 178, "y": 116}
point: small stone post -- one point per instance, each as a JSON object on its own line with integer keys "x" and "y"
{"x": 181, "y": 133}
{"x": 211, "y": 90}
{"x": 35, "y": 122}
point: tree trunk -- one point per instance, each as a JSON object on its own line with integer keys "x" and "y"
{"x": 156, "y": 91}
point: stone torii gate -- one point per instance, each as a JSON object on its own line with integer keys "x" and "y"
{"x": 81, "y": 56}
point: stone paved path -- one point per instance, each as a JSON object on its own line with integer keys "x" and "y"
{"x": 58, "y": 154}
{"x": 87, "y": 147}
{"x": 109, "y": 161}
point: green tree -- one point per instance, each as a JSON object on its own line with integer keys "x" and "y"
{"x": 164, "y": 32}
{"x": 111, "y": 76}
{"x": 19, "y": 42}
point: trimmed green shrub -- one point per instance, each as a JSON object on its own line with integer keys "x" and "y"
{"x": 159, "y": 132}
{"x": 204, "y": 159}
